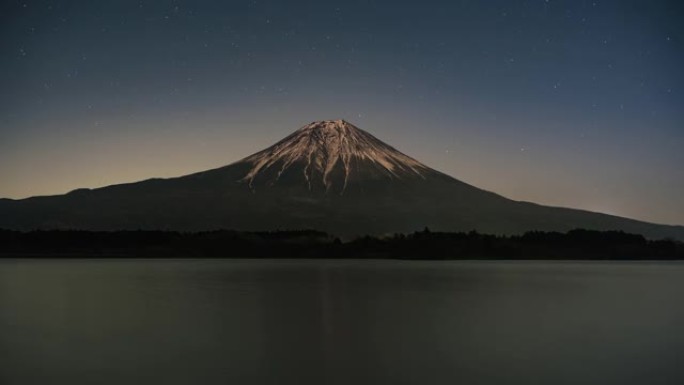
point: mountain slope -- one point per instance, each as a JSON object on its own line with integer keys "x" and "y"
{"x": 327, "y": 175}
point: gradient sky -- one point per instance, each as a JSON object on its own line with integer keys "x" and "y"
{"x": 570, "y": 103}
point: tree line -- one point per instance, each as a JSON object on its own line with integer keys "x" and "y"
{"x": 426, "y": 245}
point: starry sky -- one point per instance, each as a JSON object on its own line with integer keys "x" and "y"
{"x": 569, "y": 103}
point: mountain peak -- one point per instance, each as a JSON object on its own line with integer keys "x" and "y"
{"x": 327, "y": 148}
{"x": 338, "y": 124}
{"x": 327, "y": 128}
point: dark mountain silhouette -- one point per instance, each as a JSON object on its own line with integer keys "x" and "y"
{"x": 329, "y": 176}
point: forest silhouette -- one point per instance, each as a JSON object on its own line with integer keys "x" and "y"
{"x": 420, "y": 245}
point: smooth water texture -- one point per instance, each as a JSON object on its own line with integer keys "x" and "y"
{"x": 340, "y": 322}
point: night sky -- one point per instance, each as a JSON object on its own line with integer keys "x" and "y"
{"x": 571, "y": 103}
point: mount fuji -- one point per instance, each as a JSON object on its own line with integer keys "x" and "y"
{"x": 328, "y": 175}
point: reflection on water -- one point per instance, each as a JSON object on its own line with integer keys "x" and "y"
{"x": 340, "y": 322}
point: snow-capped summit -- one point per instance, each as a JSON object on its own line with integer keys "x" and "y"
{"x": 330, "y": 153}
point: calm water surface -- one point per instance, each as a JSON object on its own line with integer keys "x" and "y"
{"x": 340, "y": 322}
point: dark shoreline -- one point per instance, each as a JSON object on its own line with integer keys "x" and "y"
{"x": 311, "y": 244}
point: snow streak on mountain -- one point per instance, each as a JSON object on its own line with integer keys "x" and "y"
{"x": 323, "y": 147}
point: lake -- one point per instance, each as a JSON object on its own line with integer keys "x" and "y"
{"x": 340, "y": 322}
